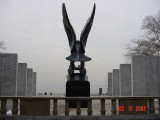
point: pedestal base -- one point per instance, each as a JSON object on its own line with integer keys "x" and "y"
{"x": 78, "y": 88}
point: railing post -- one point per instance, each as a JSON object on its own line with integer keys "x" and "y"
{"x": 3, "y": 106}
{"x": 114, "y": 111}
{"x": 15, "y": 107}
{"x": 66, "y": 107}
{"x": 151, "y": 106}
{"x": 103, "y": 111}
{"x": 78, "y": 107}
{"x": 55, "y": 111}
{"x": 159, "y": 105}
{"x": 89, "y": 107}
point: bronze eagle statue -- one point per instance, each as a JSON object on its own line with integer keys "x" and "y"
{"x": 77, "y": 47}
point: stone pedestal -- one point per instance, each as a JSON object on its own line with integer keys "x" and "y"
{"x": 77, "y": 86}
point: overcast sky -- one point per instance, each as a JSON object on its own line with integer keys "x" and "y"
{"x": 34, "y": 30}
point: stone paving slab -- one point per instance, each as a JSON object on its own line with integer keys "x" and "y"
{"x": 111, "y": 117}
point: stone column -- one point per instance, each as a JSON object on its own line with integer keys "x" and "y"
{"x": 153, "y": 75}
{"x": 22, "y": 79}
{"x": 139, "y": 76}
{"x": 29, "y": 81}
{"x": 125, "y": 79}
{"x": 8, "y": 74}
{"x": 109, "y": 84}
{"x": 115, "y": 85}
{"x": 146, "y": 75}
{"x": 34, "y": 83}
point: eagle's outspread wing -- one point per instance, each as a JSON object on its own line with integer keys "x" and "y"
{"x": 87, "y": 28}
{"x": 68, "y": 28}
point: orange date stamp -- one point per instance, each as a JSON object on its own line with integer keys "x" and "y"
{"x": 130, "y": 108}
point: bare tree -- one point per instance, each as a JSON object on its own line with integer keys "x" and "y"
{"x": 149, "y": 43}
{"x": 2, "y": 46}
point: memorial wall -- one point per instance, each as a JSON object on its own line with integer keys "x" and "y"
{"x": 140, "y": 78}
{"x": 15, "y": 79}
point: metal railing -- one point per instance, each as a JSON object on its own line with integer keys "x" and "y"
{"x": 102, "y": 99}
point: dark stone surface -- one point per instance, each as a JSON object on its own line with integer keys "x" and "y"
{"x": 77, "y": 84}
{"x": 77, "y": 47}
{"x": 77, "y": 88}
{"x": 35, "y": 107}
{"x": 137, "y": 106}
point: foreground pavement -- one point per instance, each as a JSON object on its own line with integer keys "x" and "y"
{"x": 111, "y": 117}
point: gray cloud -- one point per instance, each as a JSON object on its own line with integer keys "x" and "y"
{"x": 34, "y": 30}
